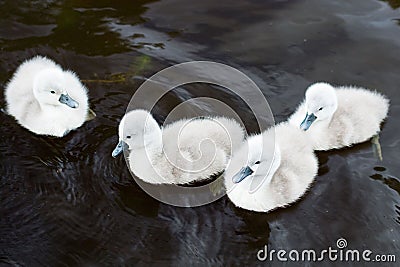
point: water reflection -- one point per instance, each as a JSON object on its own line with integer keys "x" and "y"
{"x": 73, "y": 25}
{"x": 393, "y": 3}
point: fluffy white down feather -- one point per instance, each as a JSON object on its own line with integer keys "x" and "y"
{"x": 30, "y": 102}
{"x": 294, "y": 167}
{"x": 182, "y": 152}
{"x": 357, "y": 118}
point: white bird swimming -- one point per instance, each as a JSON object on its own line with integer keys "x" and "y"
{"x": 271, "y": 170}
{"x": 340, "y": 117}
{"x": 45, "y": 99}
{"x": 182, "y": 152}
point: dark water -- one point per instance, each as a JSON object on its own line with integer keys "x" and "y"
{"x": 66, "y": 202}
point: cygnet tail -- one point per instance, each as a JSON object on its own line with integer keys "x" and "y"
{"x": 235, "y": 132}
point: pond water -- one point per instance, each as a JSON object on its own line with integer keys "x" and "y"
{"x": 67, "y": 202}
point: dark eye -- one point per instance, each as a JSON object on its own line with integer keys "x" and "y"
{"x": 321, "y": 108}
{"x": 128, "y": 137}
{"x": 257, "y": 162}
{"x": 53, "y": 92}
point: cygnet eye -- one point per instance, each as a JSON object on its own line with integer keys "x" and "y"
{"x": 321, "y": 108}
{"x": 257, "y": 162}
{"x": 128, "y": 137}
{"x": 52, "y": 91}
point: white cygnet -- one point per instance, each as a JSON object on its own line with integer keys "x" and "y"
{"x": 271, "y": 170}
{"x": 46, "y": 99}
{"x": 341, "y": 116}
{"x": 182, "y": 152}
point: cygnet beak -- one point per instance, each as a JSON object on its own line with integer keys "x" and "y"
{"x": 118, "y": 149}
{"x": 308, "y": 120}
{"x": 67, "y": 100}
{"x": 243, "y": 173}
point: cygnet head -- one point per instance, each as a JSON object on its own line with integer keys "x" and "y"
{"x": 321, "y": 104}
{"x": 264, "y": 158}
{"x": 137, "y": 130}
{"x": 50, "y": 89}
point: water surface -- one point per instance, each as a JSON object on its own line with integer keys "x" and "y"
{"x": 67, "y": 202}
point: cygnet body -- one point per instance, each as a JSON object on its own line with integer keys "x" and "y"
{"x": 271, "y": 170}
{"x": 340, "y": 117}
{"x": 46, "y": 99}
{"x": 182, "y": 152}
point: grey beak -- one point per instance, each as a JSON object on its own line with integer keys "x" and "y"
{"x": 67, "y": 100}
{"x": 118, "y": 149}
{"x": 308, "y": 120}
{"x": 243, "y": 173}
